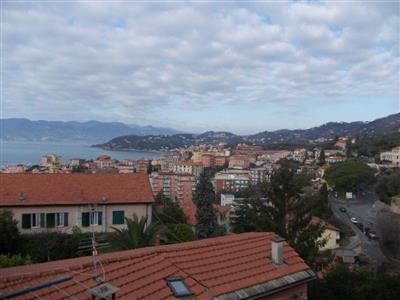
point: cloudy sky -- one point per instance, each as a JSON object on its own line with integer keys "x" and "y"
{"x": 237, "y": 66}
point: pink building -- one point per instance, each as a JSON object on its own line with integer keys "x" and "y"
{"x": 174, "y": 186}
{"x": 14, "y": 169}
{"x": 220, "y": 161}
{"x": 208, "y": 160}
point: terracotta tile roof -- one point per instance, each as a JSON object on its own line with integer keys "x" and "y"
{"x": 324, "y": 224}
{"x": 210, "y": 268}
{"x": 71, "y": 189}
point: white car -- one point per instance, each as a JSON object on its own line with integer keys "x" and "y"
{"x": 353, "y": 220}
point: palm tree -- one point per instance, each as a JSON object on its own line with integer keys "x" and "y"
{"x": 137, "y": 234}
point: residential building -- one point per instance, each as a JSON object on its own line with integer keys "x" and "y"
{"x": 14, "y": 169}
{"x": 256, "y": 265}
{"x": 196, "y": 156}
{"x": 76, "y": 162}
{"x": 239, "y": 161}
{"x": 208, "y": 160}
{"x": 231, "y": 180}
{"x": 333, "y": 159}
{"x": 227, "y": 199}
{"x": 393, "y": 157}
{"x": 175, "y": 186}
{"x": 188, "y": 167}
{"x": 105, "y": 161}
{"x": 50, "y": 161}
{"x": 341, "y": 143}
{"x": 259, "y": 175}
{"x": 62, "y": 201}
{"x": 330, "y": 234}
{"x": 221, "y": 161}
{"x": 248, "y": 149}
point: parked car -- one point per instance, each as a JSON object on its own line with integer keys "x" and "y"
{"x": 360, "y": 226}
{"x": 372, "y": 235}
{"x": 353, "y": 220}
{"x": 343, "y": 209}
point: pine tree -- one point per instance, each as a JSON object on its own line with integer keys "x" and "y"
{"x": 206, "y": 218}
{"x": 320, "y": 206}
{"x": 285, "y": 213}
{"x": 322, "y": 158}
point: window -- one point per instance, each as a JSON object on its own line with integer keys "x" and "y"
{"x": 37, "y": 220}
{"x": 178, "y": 287}
{"x": 118, "y": 217}
{"x": 92, "y": 218}
{"x": 61, "y": 219}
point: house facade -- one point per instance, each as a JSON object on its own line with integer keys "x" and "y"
{"x": 61, "y": 202}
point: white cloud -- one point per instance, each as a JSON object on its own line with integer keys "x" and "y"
{"x": 120, "y": 61}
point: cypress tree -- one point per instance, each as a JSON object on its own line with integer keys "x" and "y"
{"x": 206, "y": 218}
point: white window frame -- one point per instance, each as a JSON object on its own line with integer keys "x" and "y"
{"x": 59, "y": 220}
{"x": 37, "y": 218}
{"x": 94, "y": 218}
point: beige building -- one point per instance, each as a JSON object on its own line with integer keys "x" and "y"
{"x": 391, "y": 156}
{"x": 331, "y": 234}
{"x": 61, "y": 202}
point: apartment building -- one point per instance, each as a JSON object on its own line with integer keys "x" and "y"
{"x": 173, "y": 185}
{"x": 231, "y": 180}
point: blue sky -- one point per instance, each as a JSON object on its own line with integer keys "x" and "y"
{"x": 194, "y": 66}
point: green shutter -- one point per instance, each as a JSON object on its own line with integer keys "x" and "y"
{"x": 26, "y": 221}
{"x": 42, "y": 220}
{"x": 65, "y": 219}
{"x": 100, "y": 218}
{"x": 85, "y": 219}
{"x": 118, "y": 217}
{"x": 50, "y": 220}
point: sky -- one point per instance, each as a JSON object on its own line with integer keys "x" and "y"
{"x": 238, "y": 66}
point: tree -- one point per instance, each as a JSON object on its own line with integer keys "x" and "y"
{"x": 7, "y": 261}
{"x": 320, "y": 203}
{"x": 137, "y": 234}
{"x": 250, "y": 215}
{"x": 49, "y": 246}
{"x": 206, "y": 218}
{"x": 9, "y": 234}
{"x": 172, "y": 213}
{"x": 349, "y": 175}
{"x": 388, "y": 185}
{"x": 286, "y": 213}
{"x": 161, "y": 198}
{"x": 322, "y": 158}
{"x": 177, "y": 233}
{"x": 343, "y": 284}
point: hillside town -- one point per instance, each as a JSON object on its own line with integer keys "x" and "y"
{"x": 101, "y": 195}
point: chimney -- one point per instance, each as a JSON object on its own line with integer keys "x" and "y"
{"x": 277, "y": 250}
{"x": 157, "y": 241}
{"x": 21, "y": 196}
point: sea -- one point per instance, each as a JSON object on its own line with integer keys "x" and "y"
{"x": 29, "y": 153}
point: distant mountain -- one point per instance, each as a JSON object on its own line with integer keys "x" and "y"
{"x": 329, "y": 130}
{"x": 92, "y": 131}
{"x": 389, "y": 124}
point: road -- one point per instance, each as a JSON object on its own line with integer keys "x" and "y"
{"x": 362, "y": 211}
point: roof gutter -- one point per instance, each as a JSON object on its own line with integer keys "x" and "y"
{"x": 271, "y": 287}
